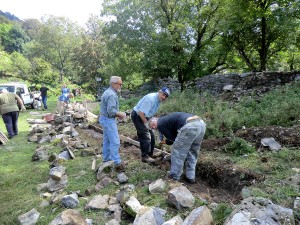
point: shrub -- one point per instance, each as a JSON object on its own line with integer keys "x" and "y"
{"x": 239, "y": 146}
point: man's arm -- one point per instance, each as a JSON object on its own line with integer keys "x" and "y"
{"x": 143, "y": 117}
{"x": 19, "y": 100}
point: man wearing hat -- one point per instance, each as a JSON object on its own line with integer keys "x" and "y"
{"x": 140, "y": 115}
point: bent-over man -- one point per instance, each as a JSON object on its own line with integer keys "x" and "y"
{"x": 185, "y": 133}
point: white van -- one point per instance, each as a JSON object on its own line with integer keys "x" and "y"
{"x": 22, "y": 91}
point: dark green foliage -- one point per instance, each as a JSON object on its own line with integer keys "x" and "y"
{"x": 221, "y": 213}
{"x": 279, "y": 107}
{"x": 239, "y": 146}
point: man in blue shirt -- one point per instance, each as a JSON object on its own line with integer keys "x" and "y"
{"x": 185, "y": 133}
{"x": 64, "y": 100}
{"x": 65, "y": 90}
{"x": 140, "y": 115}
{"x": 109, "y": 110}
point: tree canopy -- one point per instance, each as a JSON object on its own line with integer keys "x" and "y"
{"x": 144, "y": 40}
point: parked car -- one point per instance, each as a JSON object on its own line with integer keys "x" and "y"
{"x": 37, "y": 95}
{"x": 22, "y": 91}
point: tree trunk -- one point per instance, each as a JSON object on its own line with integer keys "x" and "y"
{"x": 180, "y": 76}
{"x": 263, "y": 48}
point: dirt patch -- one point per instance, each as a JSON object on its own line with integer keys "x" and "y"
{"x": 288, "y": 137}
{"x": 214, "y": 144}
{"x": 217, "y": 182}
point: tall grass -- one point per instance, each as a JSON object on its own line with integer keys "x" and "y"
{"x": 279, "y": 107}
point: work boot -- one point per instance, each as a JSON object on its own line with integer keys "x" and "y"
{"x": 148, "y": 159}
{"x": 120, "y": 168}
{"x": 188, "y": 180}
{"x": 170, "y": 176}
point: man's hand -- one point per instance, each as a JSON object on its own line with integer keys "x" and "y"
{"x": 23, "y": 108}
{"x": 123, "y": 115}
{"x": 162, "y": 142}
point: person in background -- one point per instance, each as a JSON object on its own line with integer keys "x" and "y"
{"x": 63, "y": 101}
{"x": 140, "y": 115}
{"x": 109, "y": 111}
{"x": 185, "y": 133}
{"x": 74, "y": 92}
{"x": 65, "y": 90}
{"x": 43, "y": 91}
{"x": 9, "y": 110}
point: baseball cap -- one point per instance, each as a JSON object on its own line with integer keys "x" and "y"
{"x": 166, "y": 91}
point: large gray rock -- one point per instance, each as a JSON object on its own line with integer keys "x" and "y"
{"x": 176, "y": 220}
{"x": 150, "y": 216}
{"x": 56, "y": 173}
{"x": 157, "y": 187}
{"x": 181, "y": 198}
{"x": 54, "y": 185}
{"x": 132, "y": 206}
{"x": 68, "y": 217}
{"x": 199, "y": 216}
{"x": 125, "y": 193}
{"x": 70, "y": 201}
{"x": 29, "y": 218}
{"x": 41, "y": 154}
{"x": 271, "y": 143}
{"x": 260, "y": 211}
{"x": 104, "y": 169}
{"x": 122, "y": 178}
{"x": 98, "y": 202}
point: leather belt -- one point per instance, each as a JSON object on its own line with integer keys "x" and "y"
{"x": 192, "y": 119}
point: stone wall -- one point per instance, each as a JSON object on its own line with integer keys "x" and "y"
{"x": 214, "y": 84}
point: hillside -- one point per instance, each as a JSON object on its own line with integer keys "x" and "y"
{"x": 9, "y": 16}
{"x": 232, "y": 166}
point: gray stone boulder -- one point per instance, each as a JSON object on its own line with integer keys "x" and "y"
{"x": 54, "y": 185}
{"x": 150, "y": 216}
{"x": 199, "y": 216}
{"x": 104, "y": 169}
{"x": 176, "y": 220}
{"x": 70, "y": 201}
{"x": 157, "y": 187}
{"x": 260, "y": 211}
{"x": 29, "y": 218}
{"x": 69, "y": 216}
{"x": 181, "y": 198}
{"x": 56, "y": 173}
{"x": 98, "y": 202}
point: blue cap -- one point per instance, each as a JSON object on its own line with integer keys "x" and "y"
{"x": 166, "y": 91}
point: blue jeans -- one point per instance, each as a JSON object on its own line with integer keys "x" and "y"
{"x": 44, "y": 100}
{"x": 11, "y": 123}
{"x": 185, "y": 149}
{"x": 111, "y": 140}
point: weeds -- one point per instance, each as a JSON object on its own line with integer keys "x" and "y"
{"x": 221, "y": 213}
{"x": 20, "y": 176}
{"x": 239, "y": 146}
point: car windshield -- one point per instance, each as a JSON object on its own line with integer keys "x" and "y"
{"x": 8, "y": 88}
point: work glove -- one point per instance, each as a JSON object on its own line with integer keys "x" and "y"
{"x": 147, "y": 125}
{"x": 23, "y": 108}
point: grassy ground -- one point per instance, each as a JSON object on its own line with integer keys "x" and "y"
{"x": 19, "y": 176}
